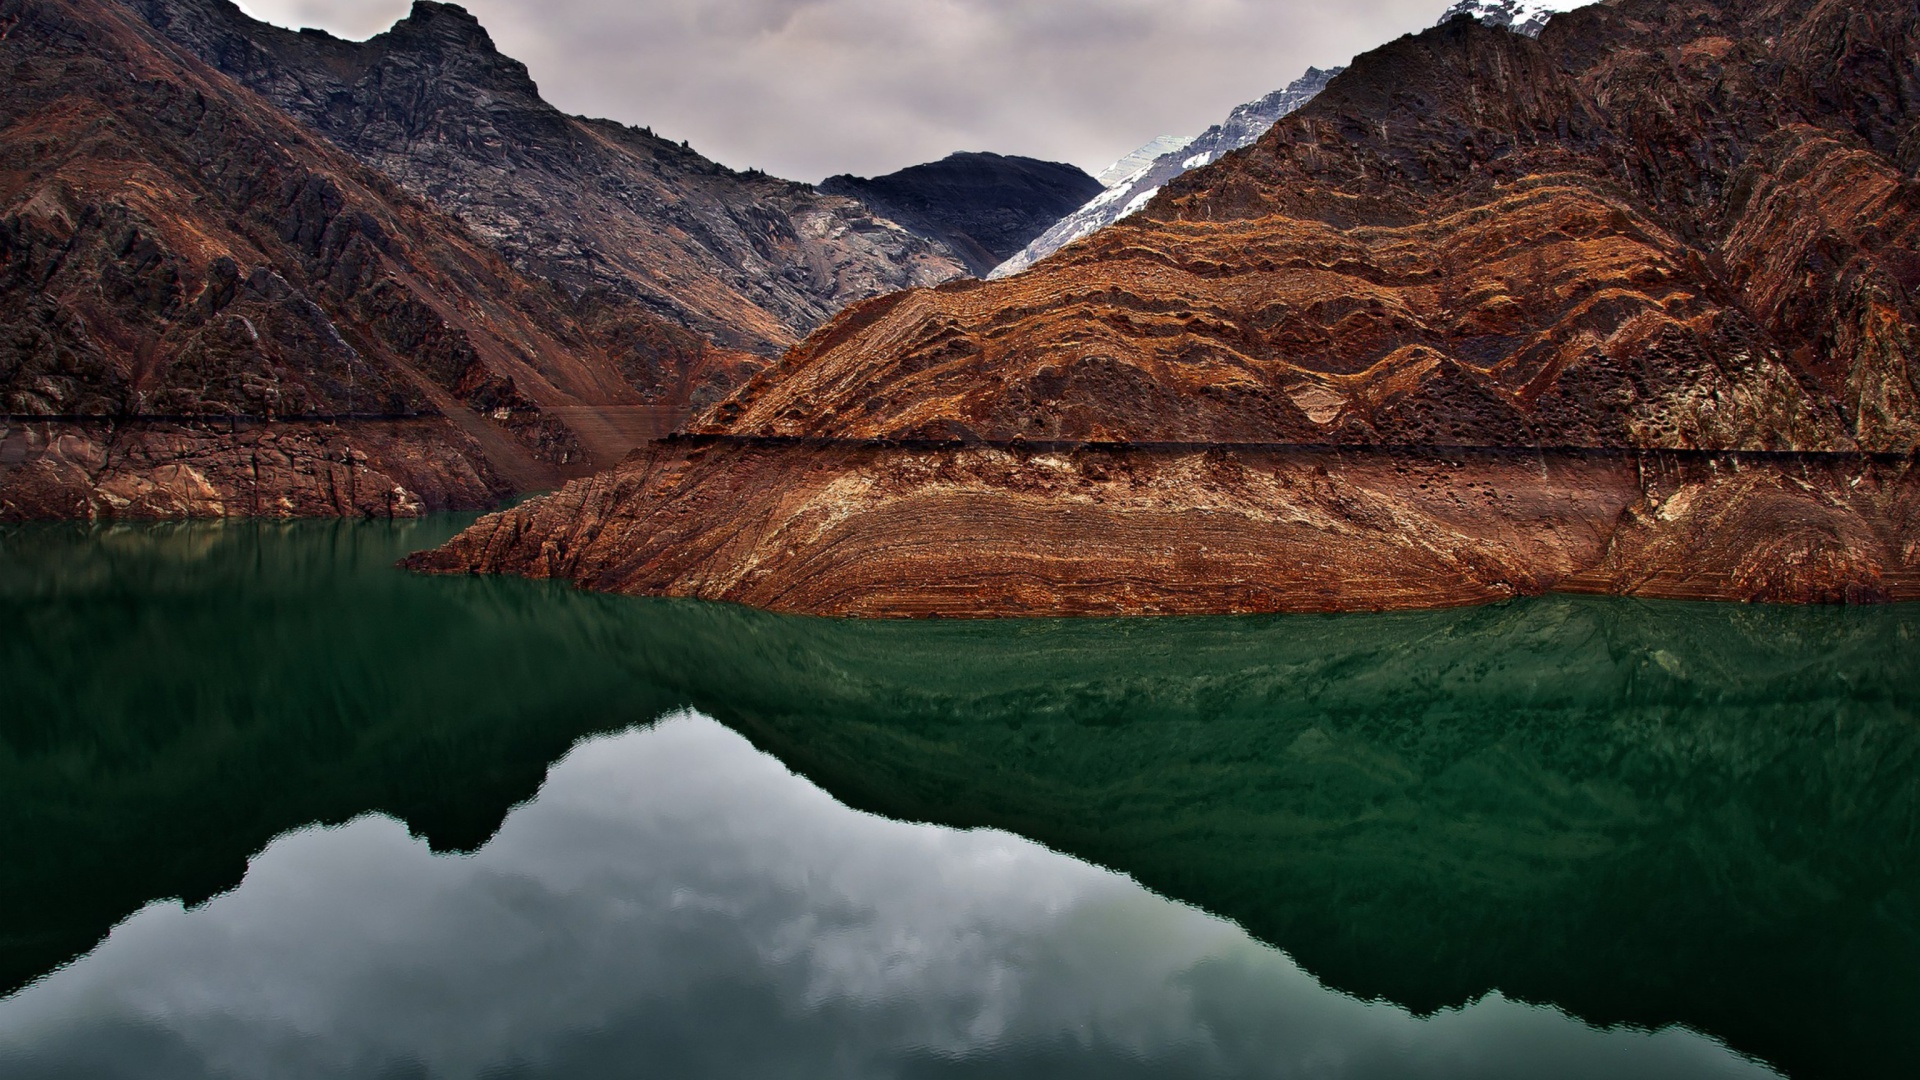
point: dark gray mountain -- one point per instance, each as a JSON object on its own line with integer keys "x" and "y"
{"x": 746, "y": 259}
{"x": 984, "y": 206}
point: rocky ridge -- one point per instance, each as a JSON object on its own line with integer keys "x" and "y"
{"x": 984, "y": 207}
{"x": 747, "y": 260}
{"x": 205, "y": 309}
{"x": 1627, "y": 308}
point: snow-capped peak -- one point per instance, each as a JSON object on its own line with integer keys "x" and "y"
{"x": 1124, "y": 169}
{"x": 1527, "y": 17}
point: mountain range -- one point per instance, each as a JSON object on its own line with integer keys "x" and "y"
{"x": 1630, "y": 307}
{"x": 746, "y": 260}
{"x": 206, "y": 308}
{"x": 526, "y": 294}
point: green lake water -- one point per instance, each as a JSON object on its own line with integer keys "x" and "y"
{"x": 270, "y": 807}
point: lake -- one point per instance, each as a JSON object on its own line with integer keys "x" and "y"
{"x": 270, "y": 807}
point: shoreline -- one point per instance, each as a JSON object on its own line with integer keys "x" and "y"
{"x": 985, "y": 532}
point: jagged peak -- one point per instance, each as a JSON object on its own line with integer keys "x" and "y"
{"x": 449, "y": 22}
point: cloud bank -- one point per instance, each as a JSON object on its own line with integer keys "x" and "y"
{"x": 807, "y": 88}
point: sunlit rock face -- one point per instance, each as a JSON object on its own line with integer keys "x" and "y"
{"x": 746, "y": 260}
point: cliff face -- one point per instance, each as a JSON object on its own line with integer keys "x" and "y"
{"x": 984, "y": 207}
{"x": 1656, "y": 268}
{"x": 744, "y": 259}
{"x": 205, "y": 309}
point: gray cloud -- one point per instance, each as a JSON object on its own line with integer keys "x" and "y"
{"x": 805, "y": 88}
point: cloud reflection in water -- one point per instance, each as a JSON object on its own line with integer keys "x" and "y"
{"x": 675, "y": 903}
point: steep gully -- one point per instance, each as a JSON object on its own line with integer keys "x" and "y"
{"x": 1655, "y": 269}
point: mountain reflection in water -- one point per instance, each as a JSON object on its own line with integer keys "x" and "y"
{"x": 1640, "y": 814}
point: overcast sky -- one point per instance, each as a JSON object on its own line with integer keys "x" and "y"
{"x": 805, "y": 88}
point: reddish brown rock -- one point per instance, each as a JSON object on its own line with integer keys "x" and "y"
{"x": 877, "y": 531}
{"x": 1631, "y": 308}
{"x": 144, "y": 469}
{"x": 183, "y": 260}
{"x": 1664, "y": 224}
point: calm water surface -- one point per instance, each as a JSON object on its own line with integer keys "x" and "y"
{"x": 270, "y": 808}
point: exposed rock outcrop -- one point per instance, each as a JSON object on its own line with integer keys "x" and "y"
{"x": 984, "y": 207}
{"x": 205, "y": 308}
{"x": 744, "y": 259}
{"x": 1628, "y": 308}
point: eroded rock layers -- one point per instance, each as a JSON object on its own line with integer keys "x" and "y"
{"x": 1629, "y": 308}
{"x": 1663, "y": 224}
{"x": 890, "y": 531}
{"x": 206, "y": 309}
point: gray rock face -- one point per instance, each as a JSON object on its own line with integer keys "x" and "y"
{"x": 985, "y": 207}
{"x": 748, "y": 260}
{"x": 1242, "y": 126}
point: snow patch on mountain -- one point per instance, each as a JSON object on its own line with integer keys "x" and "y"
{"x": 1126, "y": 167}
{"x": 1527, "y": 17}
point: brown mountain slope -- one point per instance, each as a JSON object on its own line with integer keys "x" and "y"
{"x": 1649, "y": 228}
{"x": 1657, "y": 266}
{"x": 205, "y": 309}
{"x": 745, "y": 259}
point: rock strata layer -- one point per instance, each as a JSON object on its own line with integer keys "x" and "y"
{"x": 746, "y": 260}
{"x": 879, "y": 531}
{"x": 1628, "y": 308}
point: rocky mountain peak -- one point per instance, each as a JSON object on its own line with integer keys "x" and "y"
{"x": 743, "y": 259}
{"x": 449, "y": 39}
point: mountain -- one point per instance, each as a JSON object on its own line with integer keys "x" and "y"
{"x": 984, "y": 207}
{"x": 1129, "y": 192}
{"x": 1129, "y": 189}
{"x": 207, "y": 309}
{"x": 1140, "y": 158}
{"x": 744, "y": 259}
{"x": 1633, "y": 307}
{"x": 1527, "y": 17}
